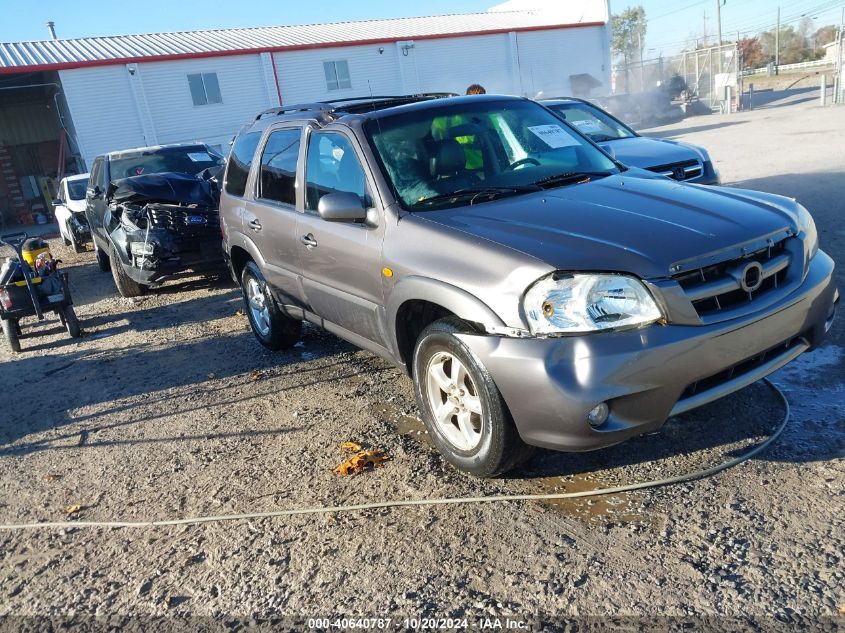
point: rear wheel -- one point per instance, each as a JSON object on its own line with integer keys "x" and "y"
{"x": 70, "y": 321}
{"x": 102, "y": 259}
{"x": 462, "y": 408}
{"x": 126, "y": 286}
{"x": 10, "y": 330}
{"x": 273, "y": 329}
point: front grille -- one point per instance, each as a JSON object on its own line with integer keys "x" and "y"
{"x": 685, "y": 170}
{"x": 720, "y": 287}
{"x": 184, "y": 220}
{"x": 744, "y": 367}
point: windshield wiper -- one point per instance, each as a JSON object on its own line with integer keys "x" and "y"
{"x": 488, "y": 193}
{"x": 570, "y": 177}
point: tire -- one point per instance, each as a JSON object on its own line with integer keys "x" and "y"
{"x": 477, "y": 434}
{"x": 66, "y": 240}
{"x": 10, "y": 330}
{"x": 77, "y": 247}
{"x": 273, "y": 329}
{"x": 71, "y": 323}
{"x": 126, "y": 286}
{"x": 103, "y": 260}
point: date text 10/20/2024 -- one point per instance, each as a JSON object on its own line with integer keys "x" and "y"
{"x": 417, "y": 624}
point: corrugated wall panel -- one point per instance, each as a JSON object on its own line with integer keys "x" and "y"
{"x": 451, "y": 65}
{"x": 102, "y": 108}
{"x": 301, "y": 75}
{"x": 174, "y": 116}
{"x": 548, "y": 58}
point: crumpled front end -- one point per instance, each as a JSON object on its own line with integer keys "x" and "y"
{"x": 160, "y": 239}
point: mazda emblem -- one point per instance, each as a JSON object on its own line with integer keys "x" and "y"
{"x": 752, "y": 277}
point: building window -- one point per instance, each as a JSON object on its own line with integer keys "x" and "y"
{"x": 337, "y": 75}
{"x": 204, "y": 88}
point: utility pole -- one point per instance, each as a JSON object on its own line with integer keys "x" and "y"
{"x": 719, "y": 19}
{"x": 642, "y": 77}
{"x": 705, "y": 29}
{"x": 777, "y": 44}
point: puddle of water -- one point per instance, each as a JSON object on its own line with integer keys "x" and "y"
{"x": 406, "y": 425}
{"x": 618, "y": 509}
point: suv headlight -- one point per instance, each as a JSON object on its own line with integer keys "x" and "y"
{"x": 811, "y": 235}
{"x": 571, "y": 303}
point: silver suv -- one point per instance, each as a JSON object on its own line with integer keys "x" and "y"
{"x": 537, "y": 292}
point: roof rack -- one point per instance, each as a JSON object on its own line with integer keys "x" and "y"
{"x": 354, "y": 104}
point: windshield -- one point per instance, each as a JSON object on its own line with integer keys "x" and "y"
{"x": 476, "y": 151}
{"x": 76, "y": 188}
{"x": 185, "y": 160}
{"x": 592, "y": 121}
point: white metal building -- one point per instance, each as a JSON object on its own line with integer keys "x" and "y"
{"x": 134, "y": 90}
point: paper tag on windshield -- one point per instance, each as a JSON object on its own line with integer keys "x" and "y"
{"x": 198, "y": 157}
{"x": 554, "y": 136}
{"x": 586, "y": 126}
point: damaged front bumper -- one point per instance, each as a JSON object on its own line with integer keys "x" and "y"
{"x": 644, "y": 376}
{"x": 157, "y": 242}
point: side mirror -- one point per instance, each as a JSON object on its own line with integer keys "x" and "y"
{"x": 341, "y": 207}
{"x": 609, "y": 150}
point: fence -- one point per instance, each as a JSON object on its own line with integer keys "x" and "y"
{"x": 702, "y": 74}
{"x": 787, "y": 67}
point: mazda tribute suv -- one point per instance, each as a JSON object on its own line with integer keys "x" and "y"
{"x": 537, "y": 292}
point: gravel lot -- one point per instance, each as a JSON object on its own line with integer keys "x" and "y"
{"x": 169, "y": 408}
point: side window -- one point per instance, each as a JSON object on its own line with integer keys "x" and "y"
{"x": 337, "y": 75}
{"x": 240, "y": 160}
{"x": 278, "y": 166}
{"x": 332, "y": 167}
{"x": 204, "y": 88}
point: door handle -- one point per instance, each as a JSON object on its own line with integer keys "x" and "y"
{"x": 308, "y": 240}
{"x": 255, "y": 224}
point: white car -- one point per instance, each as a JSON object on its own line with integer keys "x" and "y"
{"x": 70, "y": 212}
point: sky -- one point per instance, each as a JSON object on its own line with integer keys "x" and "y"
{"x": 672, "y": 23}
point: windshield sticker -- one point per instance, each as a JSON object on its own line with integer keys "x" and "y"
{"x": 586, "y": 126}
{"x": 198, "y": 157}
{"x": 554, "y": 136}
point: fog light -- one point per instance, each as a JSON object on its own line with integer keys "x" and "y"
{"x": 598, "y": 415}
{"x": 141, "y": 249}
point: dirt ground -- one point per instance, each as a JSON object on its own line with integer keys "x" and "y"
{"x": 168, "y": 408}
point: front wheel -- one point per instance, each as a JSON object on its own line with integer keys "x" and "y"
{"x": 10, "y": 330}
{"x": 126, "y": 286}
{"x": 273, "y": 329}
{"x": 102, "y": 259}
{"x": 462, "y": 408}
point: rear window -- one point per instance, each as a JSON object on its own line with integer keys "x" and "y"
{"x": 183, "y": 160}
{"x": 240, "y": 160}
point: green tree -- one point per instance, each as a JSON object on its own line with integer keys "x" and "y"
{"x": 628, "y": 34}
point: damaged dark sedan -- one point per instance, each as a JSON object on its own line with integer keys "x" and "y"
{"x": 153, "y": 213}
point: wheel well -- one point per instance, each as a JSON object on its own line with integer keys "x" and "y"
{"x": 239, "y": 259}
{"x": 411, "y": 319}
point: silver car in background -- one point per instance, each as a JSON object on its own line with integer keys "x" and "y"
{"x": 684, "y": 162}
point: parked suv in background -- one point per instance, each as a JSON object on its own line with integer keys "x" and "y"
{"x": 69, "y": 207}
{"x": 680, "y": 161}
{"x": 153, "y": 213}
{"x": 536, "y": 291}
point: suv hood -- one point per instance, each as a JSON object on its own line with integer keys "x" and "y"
{"x": 640, "y": 151}
{"x": 633, "y": 222}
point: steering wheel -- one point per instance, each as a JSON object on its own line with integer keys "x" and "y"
{"x": 523, "y": 161}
